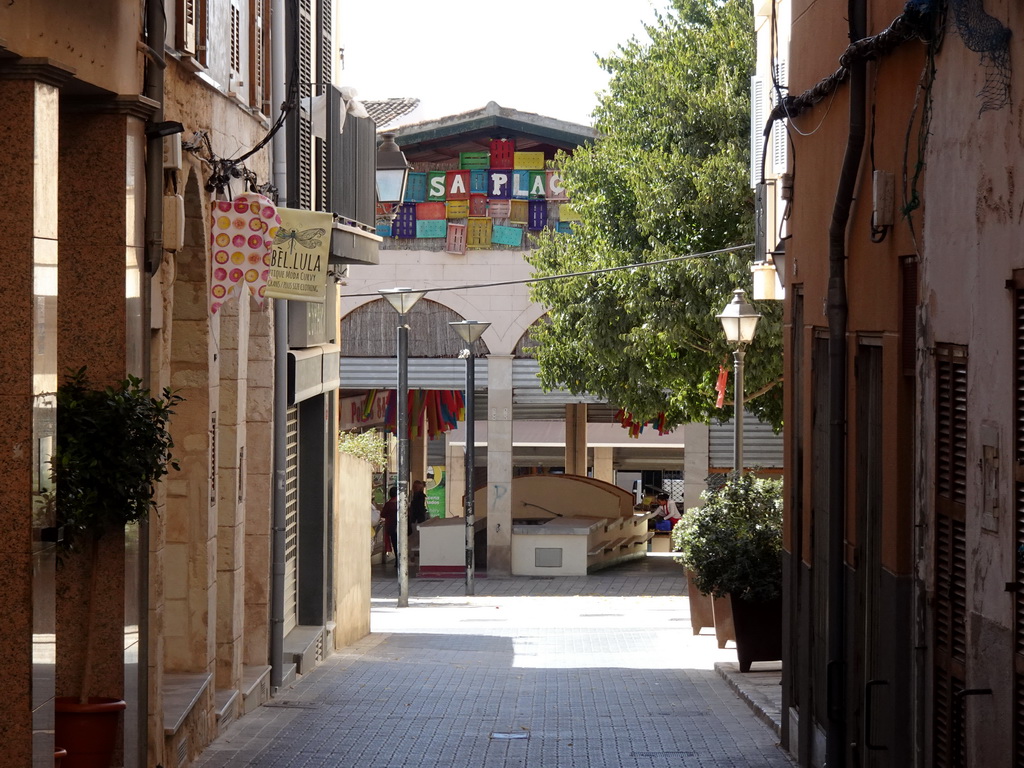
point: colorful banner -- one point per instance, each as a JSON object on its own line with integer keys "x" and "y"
{"x": 298, "y": 257}
{"x": 240, "y": 242}
{"x": 436, "y": 493}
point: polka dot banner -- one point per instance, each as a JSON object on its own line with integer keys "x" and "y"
{"x": 241, "y": 234}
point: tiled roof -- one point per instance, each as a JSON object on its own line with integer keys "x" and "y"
{"x": 389, "y": 110}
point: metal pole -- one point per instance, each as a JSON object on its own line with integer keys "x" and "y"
{"x": 470, "y": 468}
{"x": 402, "y": 426}
{"x": 737, "y": 451}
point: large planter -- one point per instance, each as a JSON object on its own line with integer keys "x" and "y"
{"x": 87, "y": 731}
{"x": 758, "y": 630}
{"x": 701, "y": 611}
{"x": 724, "y": 630}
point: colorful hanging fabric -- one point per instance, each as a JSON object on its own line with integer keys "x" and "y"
{"x": 721, "y": 384}
{"x": 241, "y": 233}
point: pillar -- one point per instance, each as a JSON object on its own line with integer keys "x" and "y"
{"x": 695, "y": 463}
{"x": 28, "y": 367}
{"x": 604, "y": 468}
{"x": 576, "y": 439}
{"x": 455, "y": 480}
{"x": 499, "y": 465}
{"x": 418, "y": 457}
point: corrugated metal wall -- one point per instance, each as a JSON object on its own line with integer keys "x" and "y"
{"x": 761, "y": 446}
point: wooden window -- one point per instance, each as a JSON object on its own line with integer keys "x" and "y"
{"x": 950, "y": 634}
{"x": 259, "y": 55}
{"x": 191, "y": 28}
{"x": 236, "y": 40}
{"x": 908, "y": 316}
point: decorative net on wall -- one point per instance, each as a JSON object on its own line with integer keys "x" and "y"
{"x": 986, "y": 35}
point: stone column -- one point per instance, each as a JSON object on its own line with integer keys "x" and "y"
{"x": 499, "y": 464}
{"x": 695, "y": 463}
{"x": 28, "y": 366}
{"x": 455, "y": 480}
{"x": 102, "y": 208}
{"x": 576, "y": 439}
{"x": 418, "y": 457}
{"x": 604, "y": 468}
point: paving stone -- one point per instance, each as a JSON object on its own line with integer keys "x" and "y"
{"x": 600, "y": 671}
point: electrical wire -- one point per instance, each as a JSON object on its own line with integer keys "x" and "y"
{"x": 472, "y": 286}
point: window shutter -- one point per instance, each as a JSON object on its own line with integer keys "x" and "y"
{"x": 236, "y": 40}
{"x": 780, "y": 148}
{"x": 1018, "y": 517}
{"x": 757, "y": 118}
{"x": 259, "y": 61}
{"x": 188, "y": 27}
{"x": 950, "y": 635}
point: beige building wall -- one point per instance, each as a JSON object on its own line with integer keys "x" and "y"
{"x": 352, "y": 546}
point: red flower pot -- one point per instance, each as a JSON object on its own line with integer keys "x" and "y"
{"x": 87, "y": 731}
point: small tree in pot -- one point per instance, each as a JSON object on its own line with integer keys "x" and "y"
{"x": 112, "y": 447}
{"x": 733, "y": 545}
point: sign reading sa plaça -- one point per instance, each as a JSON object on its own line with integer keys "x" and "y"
{"x": 298, "y": 256}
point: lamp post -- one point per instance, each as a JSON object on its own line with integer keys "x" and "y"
{"x": 470, "y": 331}
{"x": 402, "y": 299}
{"x": 739, "y": 320}
{"x": 392, "y": 171}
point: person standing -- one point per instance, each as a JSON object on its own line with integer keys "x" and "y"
{"x": 418, "y": 505}
{"x": 389, "y": 513}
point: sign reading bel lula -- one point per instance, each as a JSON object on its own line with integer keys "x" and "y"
{"x": 298, "y": 256}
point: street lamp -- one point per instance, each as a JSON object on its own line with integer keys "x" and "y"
{"x": 392, "y": 171}
{"x": 470, "y": 331}
{"x": 402, "y": 299}
{"x": 739, "y": 320}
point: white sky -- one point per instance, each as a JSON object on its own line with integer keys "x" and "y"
{"x": 457, "y": 55}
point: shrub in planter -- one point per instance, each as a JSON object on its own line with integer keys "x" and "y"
{"x": 733, "y": 541}
{"x": 733, "y": 545}
{"x": 112, "y": 447}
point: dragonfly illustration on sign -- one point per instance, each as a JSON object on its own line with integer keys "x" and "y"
{"x": 307, "y": 238}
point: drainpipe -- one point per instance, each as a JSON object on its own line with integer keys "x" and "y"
{"x": 153, "y": 88}
{"x": 279, "y": 77}
{"x": 837, "y": 310}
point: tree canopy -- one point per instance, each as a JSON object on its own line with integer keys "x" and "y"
{"x": 667, "y": 177}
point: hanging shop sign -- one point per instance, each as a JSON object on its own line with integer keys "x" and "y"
{"x": 241, "y": 235}
{"x": 489, "y": 200}
{"x": 298, "y": 256}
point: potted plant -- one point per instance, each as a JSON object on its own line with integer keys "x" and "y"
{"x": 733, "y": 545}
{"x": 112, "y": 446}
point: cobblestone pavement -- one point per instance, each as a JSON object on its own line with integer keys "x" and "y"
{"x": 599, "y": 671}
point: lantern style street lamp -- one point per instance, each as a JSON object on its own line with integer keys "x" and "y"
{"x": 470, "y": 331}
{"x": 392, "y": 171}
{"x": 402, "y": 299}
{"x": 739, "y": 320}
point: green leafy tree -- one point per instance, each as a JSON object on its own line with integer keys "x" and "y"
{"x": 669, "y": 176}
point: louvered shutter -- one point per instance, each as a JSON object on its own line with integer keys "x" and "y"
{"x": 780, "y": 148}
{"x": 757, "y": 118}
{"x": 259, "y": 60}
{"x": 1018, "y": 519}
{"x": 950, "y": 636}
{"x": 291, "y": 521}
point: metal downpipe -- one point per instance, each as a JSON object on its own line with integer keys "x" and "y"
{"x": 153, "y": 88}
{"x": 837, "y": 311}
{"x": 277, "y": 543}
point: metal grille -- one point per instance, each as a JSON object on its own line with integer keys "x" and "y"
{"x": 291, "y": 521}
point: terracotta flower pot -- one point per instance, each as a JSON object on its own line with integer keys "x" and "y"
{"x": 724, "y": 630}
{"x": 701, "y": 611}
{"x": 758, "y": 630}
{"x": 87, "y": 731}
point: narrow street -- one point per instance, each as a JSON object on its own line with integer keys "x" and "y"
{"x": 597, "y": 672}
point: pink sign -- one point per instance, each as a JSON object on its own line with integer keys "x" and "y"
{"x": 241, "y": 233}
